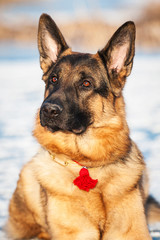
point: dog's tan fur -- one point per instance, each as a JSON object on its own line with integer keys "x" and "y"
{"x": 47, "y": 204}
{"x": 61, "y": 209}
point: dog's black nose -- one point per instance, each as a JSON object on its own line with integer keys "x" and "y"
{"x": 51, "y": 110}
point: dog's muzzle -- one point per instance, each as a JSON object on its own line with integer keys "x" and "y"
{"x": 55, "y": 117}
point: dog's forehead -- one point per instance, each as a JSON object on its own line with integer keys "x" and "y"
{"x": 78, "y": 61}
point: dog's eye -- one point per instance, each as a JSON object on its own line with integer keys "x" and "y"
{"x": 86, "y": 83}
{"x": 54, "y": 80}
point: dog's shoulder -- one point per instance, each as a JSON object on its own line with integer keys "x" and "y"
{"x": 50, "y": 172}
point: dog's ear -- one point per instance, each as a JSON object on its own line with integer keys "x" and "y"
{"x": 118, "y": 56}
{"x": 51, "y": 42}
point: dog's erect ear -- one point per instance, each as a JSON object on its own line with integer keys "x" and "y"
{"x": 118, "y": 56}
{"x": 51, "y": 42}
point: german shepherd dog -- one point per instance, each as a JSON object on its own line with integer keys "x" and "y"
{"x": 87, "y": 180}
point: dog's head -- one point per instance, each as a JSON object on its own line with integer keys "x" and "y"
{"x": 83, "y": 91}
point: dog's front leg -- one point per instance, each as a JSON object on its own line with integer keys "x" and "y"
{"x": 126, "y": 219}
{"x": 67, "y": 219}
{"x": 26, "y": 209}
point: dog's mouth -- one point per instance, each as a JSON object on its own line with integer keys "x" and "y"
{"x": 77, "y": 131}
{"x": 66, "y": 127}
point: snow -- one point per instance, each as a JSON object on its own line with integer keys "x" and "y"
{"x": 21, "y": 94}
{"x": 142, "y": 95}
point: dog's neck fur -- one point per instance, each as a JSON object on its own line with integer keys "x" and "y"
{"x": 97, "y": 147}
{"x": 63, "y": 160}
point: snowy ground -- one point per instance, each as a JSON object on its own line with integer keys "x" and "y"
{"x": 21, "y": 93}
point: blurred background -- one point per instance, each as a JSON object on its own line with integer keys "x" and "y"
{"x": 87, "y": 26}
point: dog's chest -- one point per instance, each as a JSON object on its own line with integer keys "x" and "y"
{"x": 65, "y": 199}
{"x": 76, "y": 204}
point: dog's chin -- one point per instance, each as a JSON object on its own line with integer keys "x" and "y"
{"x": 79, "y": 131}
